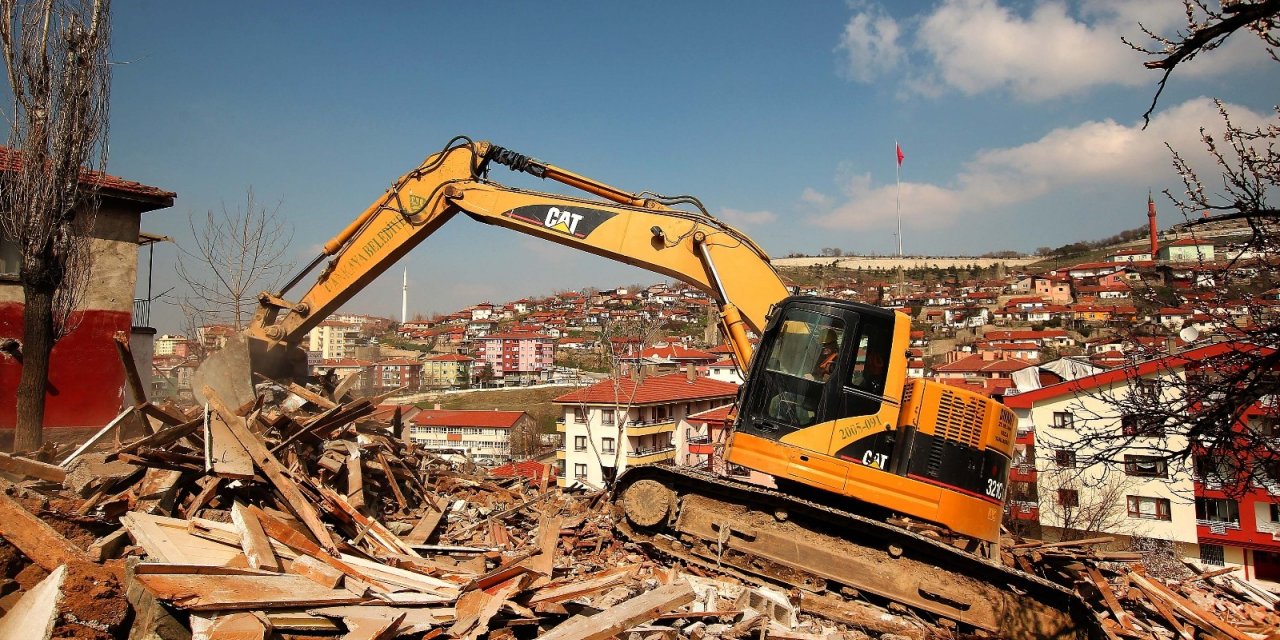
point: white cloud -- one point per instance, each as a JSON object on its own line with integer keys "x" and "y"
{"x": 1054, "y": 50}
{"x": 869, "y": 44}
{"x": 1092, "y": 153}
{"x": 737, "y": 218}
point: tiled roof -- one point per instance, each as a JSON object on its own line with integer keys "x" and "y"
{"x": 718, "y": 414}
{"x": 652, "y": 390}
{"x": 1026, "y": 399}
{"x": 531, "y": 469}
{"x": 11, "y": 160}
{"x": 466, "y": 418}
{"x": 676, "y": 352}
{"x": 977, "y": 364}
{"x": 515, "y": 336}
{"x": 449, "y": 357}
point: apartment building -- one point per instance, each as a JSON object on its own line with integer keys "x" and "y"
{"x": 445, "y": 371}
{"x": 167, "y": 345}
{"x": 1141, "y": 495}
{"x": 484, "y": 436}
{"x": 517, "y": 358}
{"x": 333, "y": 340}
{"x": 614, "y": 424}
{"x": 395, "y": 373}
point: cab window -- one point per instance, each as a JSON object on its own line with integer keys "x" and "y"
{"x": 803, "y": 356}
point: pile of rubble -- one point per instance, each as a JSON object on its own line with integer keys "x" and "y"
{"x": 309, "y": 518}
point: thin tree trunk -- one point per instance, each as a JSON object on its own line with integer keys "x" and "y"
{"x": 37, "y": 342}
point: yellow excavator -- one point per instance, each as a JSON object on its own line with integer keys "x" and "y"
{"x": 826, "y": 409}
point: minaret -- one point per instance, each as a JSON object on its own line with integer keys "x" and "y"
{"x": 404, "y": 298}
{"x": 1151, "y": 224}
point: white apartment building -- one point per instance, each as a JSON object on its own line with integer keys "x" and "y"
{"x": 484, "y": 436}
{"x": 1140, "y": 496}
{"x": 333, "y": 340}
{"x": 614, "y": 424}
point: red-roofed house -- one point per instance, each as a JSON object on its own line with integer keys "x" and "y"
{"x": 980, "y": 366}
{"x": 485, "y": 436}
{"x": 86, "y": 380}
{"x": 617, "y": 423}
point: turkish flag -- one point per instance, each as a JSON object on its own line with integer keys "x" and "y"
{"x": 901, "y": 155}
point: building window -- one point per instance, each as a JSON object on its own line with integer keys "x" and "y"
{"x": 1063, "y": 419}
{"x": 1138, "y": 426}
{"x": 1212, "y": 554}
{"x": 1148, "y": 508}
{"x": 1068, "y": 498}
{"x": 606, "y": 417}
{"x": 579, "y": 471}
{"x": 1217, "y": 510}
{"x": 1065, "y": 458}
{"x": 579, "y": 415}
{"x": 1146, "y": 467}
{"x": 579, "y": 443}
{"x": 607, "y": 445}
{"x": 1146, "y": 389}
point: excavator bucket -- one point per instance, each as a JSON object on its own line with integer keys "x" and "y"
{"x": 228, "y": 372}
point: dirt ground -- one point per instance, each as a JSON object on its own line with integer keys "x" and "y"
{"x": 536, "y": 401}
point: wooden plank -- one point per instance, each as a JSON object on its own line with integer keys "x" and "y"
{"x": 253, "y": 540}
{"x": 623, "y": 616}
{"x": 36, "y": 614}
{"x": 226, "y": 457}
{"x": 311, "y": 396}
{"x": 1162, "y": 608}
{"x": 426, "y": 525}
{"x": 548, "y": 544}
{"x": 136, "y": 388}
{"x": 108, "y": 547}
{"x": 240, "y": 626}
{"x": 66, "y": 462}
{"x": 1109, "y": 597}
{"x": 34, "y": 538}
{"x": 276, "y": 473}
{"x": 416, "y": 620}
{"x": 160, "y": 438}
{"x": 316, "y": 571}
{"x": 395, "y": 485}
{"x": 234, "y": 593}
{"x": 355, "y": 475}
{"x": 287, "y": 536}
{"x": 375, "y": 529}
{"x": 32, "y": 468}
{"x": 583, "y": 586}
{"x": 1191, "y": 610}
{"x": 209, "y": 488}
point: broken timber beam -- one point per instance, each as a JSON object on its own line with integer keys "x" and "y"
{"x": 32, "y": 468}
{"x": 275, "y": 472}
{"x": 620, "y": 617}
{"x": 34, "y": 538}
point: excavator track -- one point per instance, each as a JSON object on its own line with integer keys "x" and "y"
{"x": 719, "y": 522}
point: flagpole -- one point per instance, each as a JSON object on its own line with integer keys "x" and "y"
{"x": 897, "y": 172}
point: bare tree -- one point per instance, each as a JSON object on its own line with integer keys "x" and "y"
{"x": 1081, "y": 504}
{"x": 1217, "y": 407}
{"x": 237, "y": 254}
{"x": 55, "y": 55}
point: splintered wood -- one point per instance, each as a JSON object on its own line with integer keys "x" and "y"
{"x": 259, "y": 522}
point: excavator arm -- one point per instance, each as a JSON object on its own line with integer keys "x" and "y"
{"x": 644, "y": 231}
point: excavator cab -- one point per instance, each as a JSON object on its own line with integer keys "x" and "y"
{"x": 818, "y": 361}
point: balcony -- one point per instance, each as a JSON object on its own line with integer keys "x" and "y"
{"x": 651, "y": 456}
{"x": 701, "y": 445}
{"x": 560, "y": 453}
{"x": 1022, "y": 473}
{"x": 651, "y": 427}
{"x": 560, "y": 426}
{"x": 1024, "y": 510}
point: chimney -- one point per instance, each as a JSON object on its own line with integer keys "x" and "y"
{"x": 1151, "y": 224}
{"x": 437, "y": 406}
{"x": 691, "y": 372}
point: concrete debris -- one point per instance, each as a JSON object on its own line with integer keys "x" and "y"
{"x": 305, "y": 517}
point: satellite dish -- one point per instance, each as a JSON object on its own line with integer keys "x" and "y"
{"x": 1189, "y": 334}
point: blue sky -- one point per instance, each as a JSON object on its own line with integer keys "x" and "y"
{"x": 1020, "y": 121}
